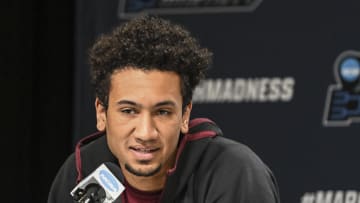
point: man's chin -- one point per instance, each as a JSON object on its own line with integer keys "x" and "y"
{"x": 144, "y": 171}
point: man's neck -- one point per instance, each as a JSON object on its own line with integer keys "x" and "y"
{"x": 152, "y": 183}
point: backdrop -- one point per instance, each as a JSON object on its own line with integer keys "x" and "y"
{"x": 36, "y": 82}
{"x": 285, "y": 81}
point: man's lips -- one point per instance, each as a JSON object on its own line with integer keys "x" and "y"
{"x": 144, "y": 153}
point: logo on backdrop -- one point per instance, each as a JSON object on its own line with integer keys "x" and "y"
{"x": 242, "y": 90}
{"x": 342, "y": 106}
{"x": 331, "y": 196}
{"x": 131, "y": 8}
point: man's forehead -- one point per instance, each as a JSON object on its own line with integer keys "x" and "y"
{"x": 154, "y": 87}
{"x": 137, "y": 76}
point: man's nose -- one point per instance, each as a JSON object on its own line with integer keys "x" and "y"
{"x": 146, "y": 129}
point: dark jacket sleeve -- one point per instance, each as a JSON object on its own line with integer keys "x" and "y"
{"x": 238, "y": 175}
{"x": 63, "y": 183}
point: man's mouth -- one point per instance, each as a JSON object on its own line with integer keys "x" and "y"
{"x": 144, "y": 150}
{"x": 144, "y": 153}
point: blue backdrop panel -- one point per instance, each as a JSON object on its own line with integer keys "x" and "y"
{"x": 284, "y": 81}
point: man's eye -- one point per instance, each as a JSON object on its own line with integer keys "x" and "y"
{"x": 128, "y": 111}
{"x": 164, "y": 112}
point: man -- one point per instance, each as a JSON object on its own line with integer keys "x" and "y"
{"x": 144, "y": 74}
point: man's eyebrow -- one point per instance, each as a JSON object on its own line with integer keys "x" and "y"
{"x": 127, "y": 102}
{"x": 165, "y": 103}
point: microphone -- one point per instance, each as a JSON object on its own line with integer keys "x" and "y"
{"x": 101, "y": 186}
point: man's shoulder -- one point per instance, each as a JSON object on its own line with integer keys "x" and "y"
{"x": 229, "y": 161}
{"x": 94, "y": 153}
{"x": 94, "y": 146}
{"x": 85, "y": 152}
{"x": 88, "y": 156}
{"x": 225, "y": 151}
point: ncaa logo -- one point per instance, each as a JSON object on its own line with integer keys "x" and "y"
{"x": 342, "y": 105}
{"x": 132, "y": 8}
{"x": 108, "y": 180}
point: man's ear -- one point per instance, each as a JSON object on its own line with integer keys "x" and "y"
{"x": 100, "y": 115}
{"x": 186, "y": 118}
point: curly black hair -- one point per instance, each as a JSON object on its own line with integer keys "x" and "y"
{"x": 148, "y": 43}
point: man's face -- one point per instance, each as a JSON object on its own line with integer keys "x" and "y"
{"x": 144, "y": 120}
